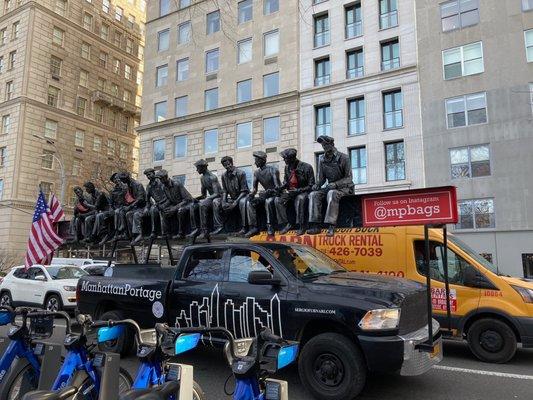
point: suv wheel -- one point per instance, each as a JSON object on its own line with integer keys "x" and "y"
{"x": 53, "y": 303}
{"x": 5, "y": 299}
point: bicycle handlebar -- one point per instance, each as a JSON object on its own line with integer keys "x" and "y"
{"x": 129, "y": 322}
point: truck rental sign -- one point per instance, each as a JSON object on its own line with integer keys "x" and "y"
{"x": 432, "y": 206}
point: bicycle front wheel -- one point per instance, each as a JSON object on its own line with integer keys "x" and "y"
{"x": 21, "y": 380}
{"x": 88, "y": 391}
{"x": 197, "y": 392}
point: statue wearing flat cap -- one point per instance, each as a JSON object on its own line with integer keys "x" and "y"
{"x": 298, "y": 179}
{"x": 210, "y": 191}
{"x": 334, "y": 182}
{"x": 234, "y": 196}
{"x": 97, "y": 202}
{"x": 154, "y": 193}
{"x": 82, "y": 210}
{"x": 268, "y": 177}
{"x": 135, "y": 201}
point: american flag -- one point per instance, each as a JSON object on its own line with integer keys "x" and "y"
{"x": 44, "y": 240}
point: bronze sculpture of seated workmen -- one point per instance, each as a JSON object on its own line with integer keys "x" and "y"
{"x": 154, "y": 193}
{"x": 135, "y": 199}
{"x": 84, "y": 208}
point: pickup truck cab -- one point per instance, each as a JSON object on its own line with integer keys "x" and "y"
{"x": 347, "y": 323}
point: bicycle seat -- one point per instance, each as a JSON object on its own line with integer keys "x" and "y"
{"x": 62, "y": 394}
{"x": 134, "y": 394}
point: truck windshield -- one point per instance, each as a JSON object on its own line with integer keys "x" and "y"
{"x": 303, "y": 261}
{"x": 65, "y": 272}
{"x": 472, "y": 253}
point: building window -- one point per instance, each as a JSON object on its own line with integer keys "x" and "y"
{"x": 159, "y": 150}
{"x": 160, "y": 111}
{"x": 245, "y": 10}
{"x": 84, "y": 78}
{"x": 270, "y": 6}
{"x": 184, "y": 33}
{"x": 356, "y": 116}
{"x": 529, "y": 45}
{"x": 104, "y": 31}
{"x": 111, "y": 145}
{"x": 47, "y": 159}
{"x": 163, "y": 40}
{"x": 476, "y": 214}
{"x": 86, "y": 51}
{"x": 358, "y": 161}
{"x": 321, "y": 30}
{"x": 116, "y": 66}
{"x": 98, "y": 114}
{"x": 393, "y": 109}
{"x": 114, "y": 89}
{"x": 531, "y": 96}
{"x": 161, "y": 75}
{"x": 3, "y": 156}
{"x": 388, "y": 14}
{"x": 164, "y": 7}
{"x": 15, "y": 30}
{"x": 244, "y": 135}
{"x": 55, "y": 66}
{"x": 81, "y": 106}
{"x": 97, "y": 143}
{"x": 1, "y": 64}
{"x": 6, "y": 124}
{"x": 457, "y": 14}
{"x": 102, "y": 60}
{"x": 129, "y": 46}
{"x": 79, "y": 138}
{"x": 211, "y": 61}
{"x": 355, "y": 63}
{"x": 527, "y": 258}
{"x": 244, "y": 51}
{"x": 322, "y": 72}
{"x": 213, "y": 22}
{"x": 50, "y": 129}
{"x": 12, "y": 59}
{"x": 76, "y": 167}
{"x": 61, "y": 7}
{"x": 182, "y": 68}
{"x": 463, "y": 61}
{"x": 57, "y": 36}
{"x": 470, "y": 161}
{"x": 181, "y": 106}
{"x": 244, "y": 91}
{"x": 271, "y": 44}
{"x": 106, "y": 6}
{"x": 180, "y": 146}
{"x": 354, "y": 20}
{"x": 211, "y": 141}
{"x": 101, "y": 84}
{"x": 3, "y": 36}
{"x": 322, "y": 120}
{"x": 394, "y": 161}
{"x": 527, "y": 5}
{"x": 466, "y": 110}
{"x": 122, "y": 150}
{"x": 184, "y": 3}
{"x": 271, "y": 84}
{"x": 88, "y": 21}
{"x": 390, "y": 55}
{"x": 180, "y": 178}
{"x": 271, "y": 128}
{"x": 119, "y": 13}
{"x": 128, "y": 71}
{"x": 211, "y": 99}
{"x": 10, "y": 87}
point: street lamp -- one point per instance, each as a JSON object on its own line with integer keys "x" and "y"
{"x": 61, "y": 165}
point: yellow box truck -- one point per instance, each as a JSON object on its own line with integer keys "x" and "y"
{"x": 492, "y": 311}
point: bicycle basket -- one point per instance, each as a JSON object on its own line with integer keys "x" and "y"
{"x": 6, "y": 317}
{"x": 41, "y": 326}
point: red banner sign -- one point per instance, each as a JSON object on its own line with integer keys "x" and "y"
{"x": 433, "y": 206}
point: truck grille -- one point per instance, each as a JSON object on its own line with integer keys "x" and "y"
{"x": 414, "y": 313}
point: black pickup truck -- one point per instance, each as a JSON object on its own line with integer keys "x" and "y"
{"x": 347, "y": 323}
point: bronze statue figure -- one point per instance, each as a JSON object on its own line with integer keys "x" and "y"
{"x": 298, "y": 180}
{"x": 154, "y": 194}
{"x": 335, "y": 169}
{"x": 135, "y": 199}
{"x": 210, "y": 190}
{"x": 234, "y": 195}
{"x": 84, "y": 208}
{"x": 268, "y": 177}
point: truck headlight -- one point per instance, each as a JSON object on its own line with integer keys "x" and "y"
{"x": 381, "y": 319}
{"x": 70, "y": 288}
{"x": 527, "y": 294}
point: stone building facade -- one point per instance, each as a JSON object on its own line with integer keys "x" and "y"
{"x": 70, "y": 75}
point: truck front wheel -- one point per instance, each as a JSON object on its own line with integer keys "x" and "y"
{"x": 492, "y": 340}
{"x": 123, "y": 345}
{"x": 332, "y": 367}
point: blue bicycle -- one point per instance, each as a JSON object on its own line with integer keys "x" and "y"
{"x": 252, "y": 361}
{"x": 78, "y": 377}
{"x": 20, "y": 367}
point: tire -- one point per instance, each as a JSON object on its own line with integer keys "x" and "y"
{"x": 125, "y": 345}
{"x": 20, "y": 380}
{"x": 491, "y": 340}
{"x": 6, "y": 299}
{"x": 197, "y": 392}
{"x": 84, "y": 393}
{"x": 332, "y": 367}
{"x": 53, "y": 303}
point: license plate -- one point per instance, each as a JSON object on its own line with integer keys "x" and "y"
{"x": 436, "y": 350}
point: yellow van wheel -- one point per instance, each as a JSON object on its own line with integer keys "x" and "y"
{"x": 492, "y": 340}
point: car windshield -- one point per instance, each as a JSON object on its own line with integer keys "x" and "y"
{"x": 66, "y": 272}
{"x": 472, "y": 253}
{"x": 305, "y": 262}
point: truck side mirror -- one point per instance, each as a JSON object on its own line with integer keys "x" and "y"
{"x": 262, "y": 277}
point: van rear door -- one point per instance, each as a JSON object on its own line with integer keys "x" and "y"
{"x": 463, "y": 299}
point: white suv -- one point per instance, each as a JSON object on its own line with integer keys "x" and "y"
{"x": 51, "y": 287}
